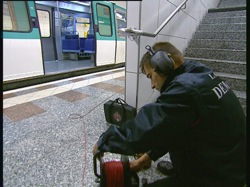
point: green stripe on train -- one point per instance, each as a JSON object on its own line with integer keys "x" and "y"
{"x": 108, "y": 38}
{"x": 22, "y": 35}
{"x": 32, "y": 9}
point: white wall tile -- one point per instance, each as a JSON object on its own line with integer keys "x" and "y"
{"x": 149, "y": 15}
{"x": 133, "y": 15}
{"x": 165, "y": 9}
{"x": 145, "y": 92}
{"x": 162, "y": 38}
{"x": 132, "y": 47}
{"x": 132, "y": 58}
{"x": 131, "y": 91}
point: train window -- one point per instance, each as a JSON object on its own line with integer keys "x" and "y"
{"x": 67, "y": 23}
{"x": 15, "y": 16}
{"x": 104, "y": 20}
{"x": 120, "y": 18}
{"x": 7, "y": 23}
{"x": 44, "y": 23}
{"x": 82, "y": 26}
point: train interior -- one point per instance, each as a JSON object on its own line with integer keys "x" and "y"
{"x": 67, "y": 36}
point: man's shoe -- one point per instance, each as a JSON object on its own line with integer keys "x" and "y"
{"x": 144, "y": 182}
{"x": 165, "y": 167}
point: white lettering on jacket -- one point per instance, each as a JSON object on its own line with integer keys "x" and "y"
{"x": 212, "y": 75}
{"x": 221, "y": 89}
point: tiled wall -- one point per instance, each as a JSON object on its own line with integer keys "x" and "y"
{"x": 148, "y": 15}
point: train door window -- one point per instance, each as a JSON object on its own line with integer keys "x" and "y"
{"x": 82, "y": 26}
{"x": 67, "y": 23}
{"x": 15, "y": 16}
{"x": 104, "y": 20}
{"x": 44, "y": 22}
{"x": 120, "y": 18}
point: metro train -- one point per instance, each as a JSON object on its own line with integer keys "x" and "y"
{"x": 39, "y": 35}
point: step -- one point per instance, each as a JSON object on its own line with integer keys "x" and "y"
{"x": 232, "y": 3}
{"x": 218, "y": 44}
{"x": 243, "y": 103}
{"x": 227, "y": 9}
{"x": 229, "y": 67}
{"x": 236, "y": 82}
{"x": 240, "y": 94}
{"x": 231, "y": 76}
{"x": 242, "y": 99}
{"x": 218, "y": 54}
{"x": 223, "y": 20}
{"x": 220, "y": 13}
{"x": 227, "y": 35}
{"x": 236, "y": 27}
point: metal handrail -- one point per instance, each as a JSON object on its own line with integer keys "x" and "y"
{"x": 136, "y": 32}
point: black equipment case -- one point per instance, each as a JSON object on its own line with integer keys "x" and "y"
{"x": 118, "y": 111}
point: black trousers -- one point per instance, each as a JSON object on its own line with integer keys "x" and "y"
{"x": 170, "y": 181}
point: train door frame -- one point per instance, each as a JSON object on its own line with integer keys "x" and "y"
{"x": 105, "y": 39}
{"x": 120, "y": 39}
{"x": 72, "y": 51}
{"x": 48, "y": 43}
{"x": 18, "y": 61}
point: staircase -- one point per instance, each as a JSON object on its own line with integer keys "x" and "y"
{"x": 220, "y": 43}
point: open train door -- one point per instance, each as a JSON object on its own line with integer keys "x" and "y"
{"x": 22, "y": 52}
{"x": 103, "y": 18}
{"x": 120, "y": 22}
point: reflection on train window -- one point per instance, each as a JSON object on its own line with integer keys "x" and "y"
{"x": 7, "y": 23}
{"x": 15, "y": 16}
{"x": 67, "y": 20}
{"x": 44, "y": 22}
{"x": 76, "y": 24}
{"x": 120, "y": 21}
{"x": 104, "y": 20}
{"x": 82, "y": 26}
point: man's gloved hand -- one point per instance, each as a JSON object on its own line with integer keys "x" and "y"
{"x": 96, "y": 151}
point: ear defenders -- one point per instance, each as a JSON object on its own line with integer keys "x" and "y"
{"x": 161, "y": 62}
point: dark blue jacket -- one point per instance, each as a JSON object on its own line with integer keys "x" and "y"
{"x": 198, "y": 120}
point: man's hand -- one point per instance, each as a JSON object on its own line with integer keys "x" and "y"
{"x": 96, "y": 151}
{"x": 141, "y": 163}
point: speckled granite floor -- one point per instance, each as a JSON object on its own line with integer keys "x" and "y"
{"x": 49, "y": 131}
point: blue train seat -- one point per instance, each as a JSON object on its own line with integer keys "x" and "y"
{"x": 89, "y": 46}
{"x": 74, "y": 44}
{"x": 82, "y": 44}
{"x": 90, "y": 36}
{"x": 65, "y": 44}
{"x": 71, "y": 43}
{"x": 71, "y": 36}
